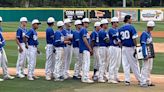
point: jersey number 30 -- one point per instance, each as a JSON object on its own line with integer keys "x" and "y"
{"x": 125, "y": 35}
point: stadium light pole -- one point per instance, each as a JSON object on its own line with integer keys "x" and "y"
{"x": 124, "y": 3}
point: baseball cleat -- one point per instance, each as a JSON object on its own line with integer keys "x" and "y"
{"x": 20, "y": 76}
{"x": 112, "y": 81}
{"x": 8, "y": 77}
{"x": 144, "y": 85}
{"x": 48, "y": 78}
{"x": 30, "y": 79}
{"x": 151, "y": 84}
{"x": 35, "y": 77}
{"x": 101, "y": 81}
{"x": 1, "y": 79}
{"x": 87, "y": 81}
{"x": 127, "y": 83}
{"x": 76, "y": 78}
{"x": 95, "y": 78}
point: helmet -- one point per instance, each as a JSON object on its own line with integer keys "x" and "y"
{"x": 50, "y": 20}
{"x": 85, "y": 20}
{"x": 35, "y": 21}
{"x": 97, "y": 24}
{"x": 150, "y": 24}
{"x": 114, "y": 19}
{"x": 23, "y": 19}
{"x": 60, "y": 23}
{"x": 67, "y": 20}
{"x": 77, "y": 22}
{"x": 104, "y": 21}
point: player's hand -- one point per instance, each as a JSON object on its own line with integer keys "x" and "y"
{"x": 38, "y": 51}
{"x": 0, "y": 42}
{"x": 26, "y": 46}
{"x": 20, "y": 50}
{"x": 146, "y": 58}
{"x": 91, "y": 51}
{"x": 135, "y": 52}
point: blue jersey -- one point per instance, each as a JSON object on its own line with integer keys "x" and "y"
{"x": 145, "y": 39}
{"x": 20, "y": 34}
{"x": 75, "y": 39}
{"x": 83, "y": 33}
{"x": 2, "y": 41}
{"x": 1, "y": 29}
{"x": 114, "y": 36}
{"x": 103, "y": 36}
{"x": 58, "y": 39}
{"x": 32, "y": 37}
{"x": 127, "y": 33}
{"x": 69, "y": 33}
{"x": 49, "y": 35}
{"x": 95, "y": 37}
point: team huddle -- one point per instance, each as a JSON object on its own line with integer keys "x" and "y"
{"x": 109, "y": 46}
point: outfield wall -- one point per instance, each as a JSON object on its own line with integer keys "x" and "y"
{"x": 138, "y": 14}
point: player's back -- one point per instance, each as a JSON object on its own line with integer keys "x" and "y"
{"x": 83, "y": 33}
{"x": 127, "y": 34}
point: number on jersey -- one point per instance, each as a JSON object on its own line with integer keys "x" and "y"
{"x": 125, "y": 35}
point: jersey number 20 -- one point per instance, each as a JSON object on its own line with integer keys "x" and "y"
{"x": 125, "y": 35}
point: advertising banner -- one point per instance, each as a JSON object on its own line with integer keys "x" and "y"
{"x": 155, "y": 15}
{"x": 75, "y": 14}
{"x": 122, "y": 13}
{"x": 99, "y": 14}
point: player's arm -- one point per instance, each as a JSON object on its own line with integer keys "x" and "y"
{"x": 2, "y": 42}
{"x": 143, "y": 44}
{"x": 106, "y": 38}
{"x": 87, "y": 44}
{"x": 92, "y": 40}
{"x": 25, "y": 38}
{"x": 18, "y": 34}
{"x": 134, "y": 35}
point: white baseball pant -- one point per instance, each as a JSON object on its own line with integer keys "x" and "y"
{"x": 50, "y": 60}
{"x": 4, "y": 62}
{"x": 32, "y": 60}
{"x": 59, "y": 61}
{"x": 67, "y": 59}
{"x": 130, "y": 62}
{"x": 103, "y": 63}
{"x": 146, "y": 71}
{"x": 78, "y": 61}
{"x": 115, "y": 61}
{"x": 96, "y": 57}
{"x": 21, "y": 61}
{"x": 85, "y": 65}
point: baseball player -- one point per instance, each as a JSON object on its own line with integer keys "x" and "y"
{"x": 147, "y": 66}
{"x": 86, "y": 50}
{"x": 95, "y": 45}
{"x": 78, "y": 56}
{"x": 68, "y": 33}
{"x": 22, "y": 51}
{"x": 31, "y": 43}
{"x": 50, "y": 55}
{"x": 114, "y": 51}
{"x": 59, "y": 43}
{"x": 3, "y": 57}
{"x": 103, "y": 52}
{"x": 128, "y": 37}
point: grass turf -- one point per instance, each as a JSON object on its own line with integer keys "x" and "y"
{"x": 11, "y": 50}
{"x": 140, "y": 26}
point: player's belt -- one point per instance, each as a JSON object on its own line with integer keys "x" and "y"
{"x": 33, "y": 45}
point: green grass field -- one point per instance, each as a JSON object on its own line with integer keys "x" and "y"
{"x": 140, "y": 26}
